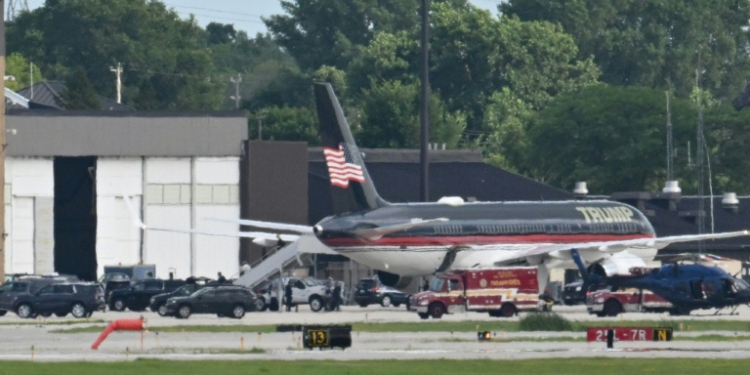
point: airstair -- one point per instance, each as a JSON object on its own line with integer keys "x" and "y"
{"x": 283, "y": 257}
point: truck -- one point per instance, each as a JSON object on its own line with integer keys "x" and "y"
{"x": 611, "y": 302}
{"x": 501, "y": 292}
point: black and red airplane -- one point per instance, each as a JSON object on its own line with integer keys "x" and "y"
{"x": 414, "y": 239}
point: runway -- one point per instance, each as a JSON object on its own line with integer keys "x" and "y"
{"x": 18, "y": 337}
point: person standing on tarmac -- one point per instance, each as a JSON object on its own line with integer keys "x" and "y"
{"x": 336, "y": 297}
{"x": 288, "y": 295}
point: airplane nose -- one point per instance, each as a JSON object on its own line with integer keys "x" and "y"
{"x": 318, "y": 230}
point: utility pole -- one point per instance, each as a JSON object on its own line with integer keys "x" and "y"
{"x": 31, "y": 79}
{"x": 260, "y": 116}
{"x": 236, "y": 97}
{"x": 118, "y": 73}
{"x": 3, "y": 145}
{"x": 699, "y": 160}
{"x": 424, "y": 112}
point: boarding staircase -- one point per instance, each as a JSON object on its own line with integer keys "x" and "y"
{"x": 282, "y": 258}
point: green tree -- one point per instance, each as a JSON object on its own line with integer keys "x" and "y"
{"x": 728, "y": 139}
{"x": 286, "y": 124}
{"x": 389, "y": 118}
{"x": 22, "y": 71}
{"x": 326, "y": 32}
{"x": 144, "y": 36}
{"x": 146, "y": 99}
{"x": 474, "y": 55}
{"x": 651, "y": 43}
{"x": 611, "y": 137}
{"x": 80, "y": 94}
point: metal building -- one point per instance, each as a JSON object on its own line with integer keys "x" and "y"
{"x": 66, "y": 172}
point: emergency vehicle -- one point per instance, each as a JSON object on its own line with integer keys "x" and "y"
{"x": 606, "y": 302}
{"x": 501, "y": 292}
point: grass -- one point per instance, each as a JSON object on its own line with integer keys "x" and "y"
{"x": 53, "y": 322}
{"x": 458, "y": 326}
{"x": 573, "y": 366}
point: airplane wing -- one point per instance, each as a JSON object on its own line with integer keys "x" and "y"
{"x": 617, "y": 246}
{"x": 262, "y": 236}
{"x": 589, "y": 250}
{"x": 301, "y": 229}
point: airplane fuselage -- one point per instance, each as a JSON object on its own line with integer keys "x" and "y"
{"x": 498, "y": 226}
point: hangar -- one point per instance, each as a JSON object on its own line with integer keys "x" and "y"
{"x": 66, "y": 172}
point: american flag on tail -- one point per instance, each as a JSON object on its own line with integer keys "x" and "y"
{"x": 341, "y": 166}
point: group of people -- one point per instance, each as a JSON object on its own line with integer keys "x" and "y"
{"x": 332, "y": 298}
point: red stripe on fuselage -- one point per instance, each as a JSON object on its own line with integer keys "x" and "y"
{"x": 482, "y": 240}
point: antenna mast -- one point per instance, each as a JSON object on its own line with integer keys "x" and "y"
{"x": 16, "y": 7}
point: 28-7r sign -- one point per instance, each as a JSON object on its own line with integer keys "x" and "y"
{"x": 599, "y": 334}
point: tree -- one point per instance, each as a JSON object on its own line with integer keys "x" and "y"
{"x": 80, "y": 94}
{"x": 22, "y": 71}
{"x": 146, "y": 99}
{"x": 150, "y": 41}
{"x": 473, "y": 56}
{"x": 655, "y": 43}
{"x": 611, "y": 137}
{"x": 389, "y": 118}
{"x": 326, "y": 32}
{"x": 286, "y": 124}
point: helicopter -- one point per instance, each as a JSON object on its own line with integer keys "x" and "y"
{"x": 687, "y": 287}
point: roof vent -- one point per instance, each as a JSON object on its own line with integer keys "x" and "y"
{"x": 730, "y": 202}
{"x": 581, "y": 190}
{"x": 672, "y": 187}
{"x": 452, "y": 201}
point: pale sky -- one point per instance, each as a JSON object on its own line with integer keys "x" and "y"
{"x": 244, "y": 14}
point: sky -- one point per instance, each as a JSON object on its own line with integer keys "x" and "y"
{"x": 244, "y": 14}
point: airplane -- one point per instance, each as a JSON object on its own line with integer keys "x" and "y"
{"x": 686, "y": 286}
{"x": 407, "y": 240}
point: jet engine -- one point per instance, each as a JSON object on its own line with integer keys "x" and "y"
{"x": 394, "y": 281}
{"x": 617, "y": 264}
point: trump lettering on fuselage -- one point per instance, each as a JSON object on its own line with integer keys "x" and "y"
{"x": 606, "y": 214}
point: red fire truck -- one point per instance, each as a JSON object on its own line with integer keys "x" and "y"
{"x": 606, "y": 302}
{"x": 501, "y": 292}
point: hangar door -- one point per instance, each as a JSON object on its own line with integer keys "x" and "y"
{"x": 75, "y": 216}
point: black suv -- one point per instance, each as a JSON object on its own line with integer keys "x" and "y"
{"x": 24, "y": 285}
{"x": 80, "y": 299}
{"x": 371, "y": 291}
{"x": 230, "y": 301}
{"x": 158, "y": 303}
{"x": 572, "y": 293}
{"x": 138, "y": 296}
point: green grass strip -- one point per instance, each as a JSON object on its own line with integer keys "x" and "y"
{"x": 574, "y": 366}
{"x": 459, "y": 326}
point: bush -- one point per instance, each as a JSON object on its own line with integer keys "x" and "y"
{"x": 545, "y": 321}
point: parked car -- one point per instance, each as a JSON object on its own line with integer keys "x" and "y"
{"x": 79, "y": 298}
{"x": 114, "y": 281}
{"x": 158, "y": 303}
{"x": 371, "y": 291}
{"x": 305, "y": 290}
{"x": 24, "y": 285}
{"x": 137, "y": 297}
{"x": 573, "y": 294}
{"x": 228, "y": 300}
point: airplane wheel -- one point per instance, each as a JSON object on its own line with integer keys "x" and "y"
{"x": 423, "y": 315}
{"x": 612, "y": 308}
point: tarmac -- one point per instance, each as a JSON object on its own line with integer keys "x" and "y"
{"x": 23, "y": 339}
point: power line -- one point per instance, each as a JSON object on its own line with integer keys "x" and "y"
{"x": 213, "y": 10}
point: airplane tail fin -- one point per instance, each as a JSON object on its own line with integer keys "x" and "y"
{"x": 351, "y": 186}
